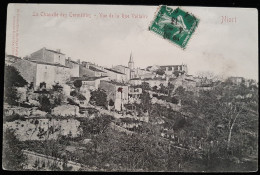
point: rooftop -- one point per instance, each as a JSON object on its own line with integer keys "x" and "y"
{"x": 170, "y": 65}
{"x": 136, "y": 79}
{"x": 122, "y": 66}
{"x": 87, "y": 78}
{"x": 115, "y": 83}
{"x": 155, "y": 79}
{"x": 46, "y": 63}
{"x": 111, "y": 70}
{"x": 72, "y": 61}
{"x": 95, "y": 69}
{"x": 12, "y": 56}
{"x": 55, "y": 51}
{"x": 189, "y": 80}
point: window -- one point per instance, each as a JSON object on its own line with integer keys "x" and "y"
{"x": 45, "y": 67}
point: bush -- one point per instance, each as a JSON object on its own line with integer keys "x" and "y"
{"x": 57, "y": 87}
{"x": 174, "y": 100}
{"x": 13, "y": 117}
{"x": 111, "y": 102}
{"x": 12, "y": 152}
{"x": 45, "y": 103}
{"x": 99, "y": 98}
{"x": 73, "y": 93}
{"x": 81, "y": 97}
{"x": 72, "y": 102}
{"x": 77, "y": 83}
{"x": 12, "y": 79}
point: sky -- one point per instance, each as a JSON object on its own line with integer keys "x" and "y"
{"x": 227, "y": 49}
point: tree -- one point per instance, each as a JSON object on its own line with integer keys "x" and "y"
{"x": 155, "y": 88}
{"x": 77, "y": 84}
{"x": 45, "y": 103}
{"x": 160, "y": 72}
{"x": 145, "y": 86}
{"x": 43, "y": 85}
{"x": 145, "y": 101}
{"x": 57, "y": 87}
{"x": 13, "y": 158}
{"x": 98, "y": 97}
{"x": 12, "y": 80}
{"x": 176, "y": 73}
{"x": 111, "y": 102}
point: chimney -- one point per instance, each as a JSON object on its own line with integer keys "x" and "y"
{"x": 58, "y": 50}
{"x": 69, "y": 59}
{"x": 78, "y": 61}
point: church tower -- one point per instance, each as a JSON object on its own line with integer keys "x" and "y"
{"x": 131, "y": 62}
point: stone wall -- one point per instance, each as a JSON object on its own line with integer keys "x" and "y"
{"x": 45, "y": 162}
{"x": 66, "y": 110}
{"x": 44, "y": 129}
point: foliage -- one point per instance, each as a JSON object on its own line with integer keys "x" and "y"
{"x": 98, "y": 97}
{"x": 57, "y": 87}
{"x": 145, "y": 101}
{"x": 160, "y": 72}
{"x": 13, "y": 158}
{"x": 13, "y": 79}
{"x": 72, "y": 102}
{"x": 45, "y": 104}
{"x": 42, "y": 85}
{"x": 154, "y": 88}
{"x": 145, "y": 86}
{"x": 96, "y": 125}
{"x": 73, "y": 93}
{"x": 77, "y": 83}
{"x": 111, "y": 102}
{"x": 81, "y": 97}
{"x": 13, "y": 117}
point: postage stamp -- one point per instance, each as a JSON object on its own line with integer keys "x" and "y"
{"x": 174, "y": 25}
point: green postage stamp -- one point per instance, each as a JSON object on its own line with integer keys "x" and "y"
{"x": 174, "y": 25}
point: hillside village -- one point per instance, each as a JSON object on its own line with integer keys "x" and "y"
{"x": 71, "y": 104}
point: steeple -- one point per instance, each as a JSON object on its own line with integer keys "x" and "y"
{"x": 131, "y": 62}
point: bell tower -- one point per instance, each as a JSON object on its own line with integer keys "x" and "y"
{"x": 131, "y": 62}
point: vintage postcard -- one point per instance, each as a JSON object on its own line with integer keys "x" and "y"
{"x": 130, "y": 88}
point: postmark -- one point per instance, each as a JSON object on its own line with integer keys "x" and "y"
{"x": 177, "y": 25}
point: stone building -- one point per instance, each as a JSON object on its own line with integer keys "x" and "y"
{"x": 91, "y": 71}
{"x": 115, "y": 75}
{"x": 123, "y": 69}
{"x": 91, "y": 83}
{"x": 170, "y": 69}
{"x": 74, "y": 67}
{"x": 38, "y": 72}
{"x": 117, "y": 92}
{"x": 236, "y": 80}
{"x": 48, "y": 56}
{"x": 156, "y": 81}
